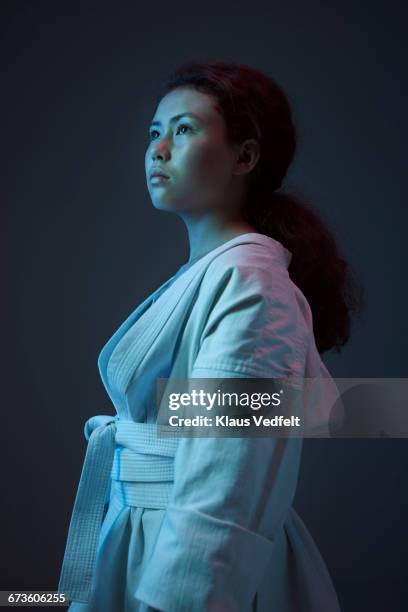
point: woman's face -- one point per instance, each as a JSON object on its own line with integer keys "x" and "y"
{"x": 193, "y": 152}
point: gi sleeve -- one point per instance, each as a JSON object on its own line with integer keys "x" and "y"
{"x": 230, "y": 495}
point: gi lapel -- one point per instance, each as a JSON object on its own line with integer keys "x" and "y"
{"x": 107, "y": 349}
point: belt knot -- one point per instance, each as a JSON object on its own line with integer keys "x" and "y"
{"x": 140, "y": 467}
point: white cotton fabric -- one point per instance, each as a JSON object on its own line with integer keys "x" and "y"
{"x": 228, "y": 538}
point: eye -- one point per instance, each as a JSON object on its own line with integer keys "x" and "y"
{"x": 182, "y": 125}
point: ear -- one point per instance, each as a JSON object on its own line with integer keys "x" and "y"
{"x": 247, "y": 156}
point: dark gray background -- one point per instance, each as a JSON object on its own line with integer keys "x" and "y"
{"x": 85, "y": 244}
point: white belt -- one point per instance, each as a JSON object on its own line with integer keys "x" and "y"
{"x": 141, "y": 467}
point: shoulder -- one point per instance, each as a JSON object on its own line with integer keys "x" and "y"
{"x": 250, "y": 319}
{"x": 250, "y": 283}
{"x": 260, "y": 267}
{"x": 258, "y": 253}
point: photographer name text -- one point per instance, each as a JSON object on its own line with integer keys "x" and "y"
{"x": 226, "y": 421}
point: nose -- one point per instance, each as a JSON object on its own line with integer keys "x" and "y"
{"x": 160, "y": 151}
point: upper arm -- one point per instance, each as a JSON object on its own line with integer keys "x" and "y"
{"x": 253, "y": 327}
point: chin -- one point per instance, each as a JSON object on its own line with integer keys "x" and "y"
{"x": 165, "y": 205}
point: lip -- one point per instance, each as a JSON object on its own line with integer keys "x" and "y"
{"x": 157, "y": 172}
{"x": 157, "y": 179}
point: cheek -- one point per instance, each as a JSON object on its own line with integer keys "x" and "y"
{"x": 208, "y": 162}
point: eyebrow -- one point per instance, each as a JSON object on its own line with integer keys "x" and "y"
{"x": 176, "y": 118}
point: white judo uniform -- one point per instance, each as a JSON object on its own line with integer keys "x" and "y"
{"x": 198, "y": 524}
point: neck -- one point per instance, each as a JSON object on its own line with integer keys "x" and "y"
{"x": 210, "y": 231}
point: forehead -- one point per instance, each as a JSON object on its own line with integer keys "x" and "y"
{"x": 187, "y": 99}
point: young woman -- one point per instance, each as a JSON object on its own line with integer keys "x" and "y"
{"x": 207, "y": 524}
